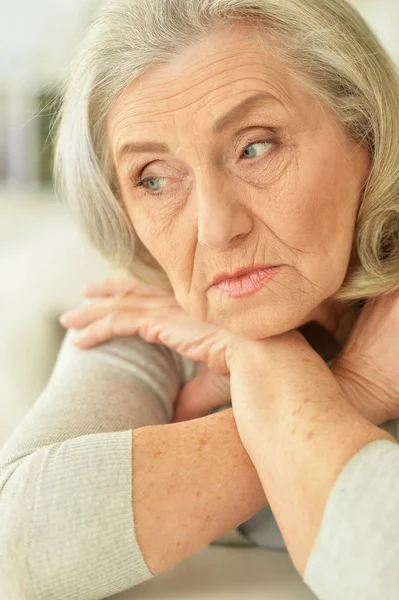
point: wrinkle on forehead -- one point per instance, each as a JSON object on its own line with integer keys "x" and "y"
{"x": 201, "y": 75}
{"x": 184, "y": 97}
{"x": 210, "y": 89}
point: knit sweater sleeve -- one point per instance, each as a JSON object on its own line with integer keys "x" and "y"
{"x": 66, "y": 518}
{"x": 356, "y": 551}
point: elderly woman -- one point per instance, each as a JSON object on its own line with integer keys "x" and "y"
{"x": 238, "y": 162}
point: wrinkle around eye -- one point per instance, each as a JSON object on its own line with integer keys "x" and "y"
{"x": 251, "y": 163}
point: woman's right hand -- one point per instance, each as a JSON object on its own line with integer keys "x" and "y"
{"x": 367, "y": 367}
{"x": 127, "y": 306}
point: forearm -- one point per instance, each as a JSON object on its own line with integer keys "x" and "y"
{"x": 193, "y": 481}
{"x": 299, "y": 442}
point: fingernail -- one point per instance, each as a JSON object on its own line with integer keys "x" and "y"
{"x": 70, "y": 314}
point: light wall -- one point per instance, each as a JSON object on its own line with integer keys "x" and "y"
{"x": 38, "y": 36}
{"x": 37, "y": 40}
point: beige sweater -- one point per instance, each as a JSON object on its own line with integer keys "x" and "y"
{"x": 67, "y": 529}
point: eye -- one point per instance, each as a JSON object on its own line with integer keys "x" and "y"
{"x": 155, "y": 184}
{"x": 257, "y": 146}
{"x": 149, "y": 181}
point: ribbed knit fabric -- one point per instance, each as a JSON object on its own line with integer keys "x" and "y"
{"x": 356, "y": 552}
{"x": 67, "y": 529}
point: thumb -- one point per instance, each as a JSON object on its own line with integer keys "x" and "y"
{"x": 201, "y": 394}
{"x": 190, "y": 401}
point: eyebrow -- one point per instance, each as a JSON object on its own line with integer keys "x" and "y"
{"x": 220, "y": 124}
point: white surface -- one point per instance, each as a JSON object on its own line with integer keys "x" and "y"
{"x": 39, "y": 38}
{"x": 383, "y": 18}
{"x": 226, "y": 573}
{"x": 44, "y": 263}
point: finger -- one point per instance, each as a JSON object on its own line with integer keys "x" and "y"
{"x": 185, "y": 407}
{"x": 181, "y": 415}
{"x": 197, "y": 399}
{"x": 89, "y": 313}
{"x": 148, "y": 322}
{"x": 169, "y": 325}
{"x": 112, "y": 286}
{"x": 116, "y": 323}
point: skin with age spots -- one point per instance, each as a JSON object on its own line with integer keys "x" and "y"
{"x": 276, "y": 182}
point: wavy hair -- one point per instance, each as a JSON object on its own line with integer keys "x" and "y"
{"x": 326, "y": 44}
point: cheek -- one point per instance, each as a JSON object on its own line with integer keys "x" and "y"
{"x": 316, "y": 204}
{"x": 169, "y": 248}
{"x": 311, "y": 213}
{"x": 147, "y": 231}
{"x": 335, "y": 213}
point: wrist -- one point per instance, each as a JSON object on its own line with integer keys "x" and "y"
{"x": 253, "y": 394}
{"x": 239, "y": 355}
{"x": 361, "y": 393}
{"x": 239, "y": 352}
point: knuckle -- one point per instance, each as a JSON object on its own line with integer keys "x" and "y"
{"x": 107, "y": 282}
{"x": 112, "y": 318}
{"x": 123, "y": 295}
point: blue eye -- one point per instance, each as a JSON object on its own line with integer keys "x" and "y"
{"x": 156, "y": 189}
{"x": 148, "y": 180}
{"x": 260, "y": 144}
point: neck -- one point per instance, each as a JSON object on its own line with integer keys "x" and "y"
{"x": 329, "y": 327}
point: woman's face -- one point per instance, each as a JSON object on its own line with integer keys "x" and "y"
{"x": 252, "y": 170}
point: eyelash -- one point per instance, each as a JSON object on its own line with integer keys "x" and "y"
{"x": 141, "y": 182}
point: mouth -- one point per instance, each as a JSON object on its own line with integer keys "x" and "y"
{"x": 241, "y": 272}
{"x": 245, "y": 282}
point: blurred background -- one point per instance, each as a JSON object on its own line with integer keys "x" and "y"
{"x": 44, "y": 261}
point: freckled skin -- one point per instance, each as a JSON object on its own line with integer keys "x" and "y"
{"x": 291, "y": 202}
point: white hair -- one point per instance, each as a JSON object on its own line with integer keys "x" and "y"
{"x": 326, "y": 44}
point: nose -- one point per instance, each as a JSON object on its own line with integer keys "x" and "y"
{"x": 222, "y": 219}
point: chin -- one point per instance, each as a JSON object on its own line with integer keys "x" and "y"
{"x": 261, "y": 316}
{"x": 259, "y": 329}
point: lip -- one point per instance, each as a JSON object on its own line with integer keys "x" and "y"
{"x": 247, "y": 284}
{"x": 240, "y": 272}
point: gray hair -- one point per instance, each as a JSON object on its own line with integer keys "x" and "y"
{"x": 326, "y": 44}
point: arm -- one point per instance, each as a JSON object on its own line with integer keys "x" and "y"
{"x": 299, "y": 438}
{"x": 198, "y": 474}
{"x": 356, "y": 552}
{"x": 67, "y": 521}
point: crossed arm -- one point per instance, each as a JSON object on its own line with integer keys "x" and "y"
{"x": 193, "y": 482}
{"x": 97, "y": 449}
{"x": 96, "y": 466}
{"x": 297, "y": 450}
